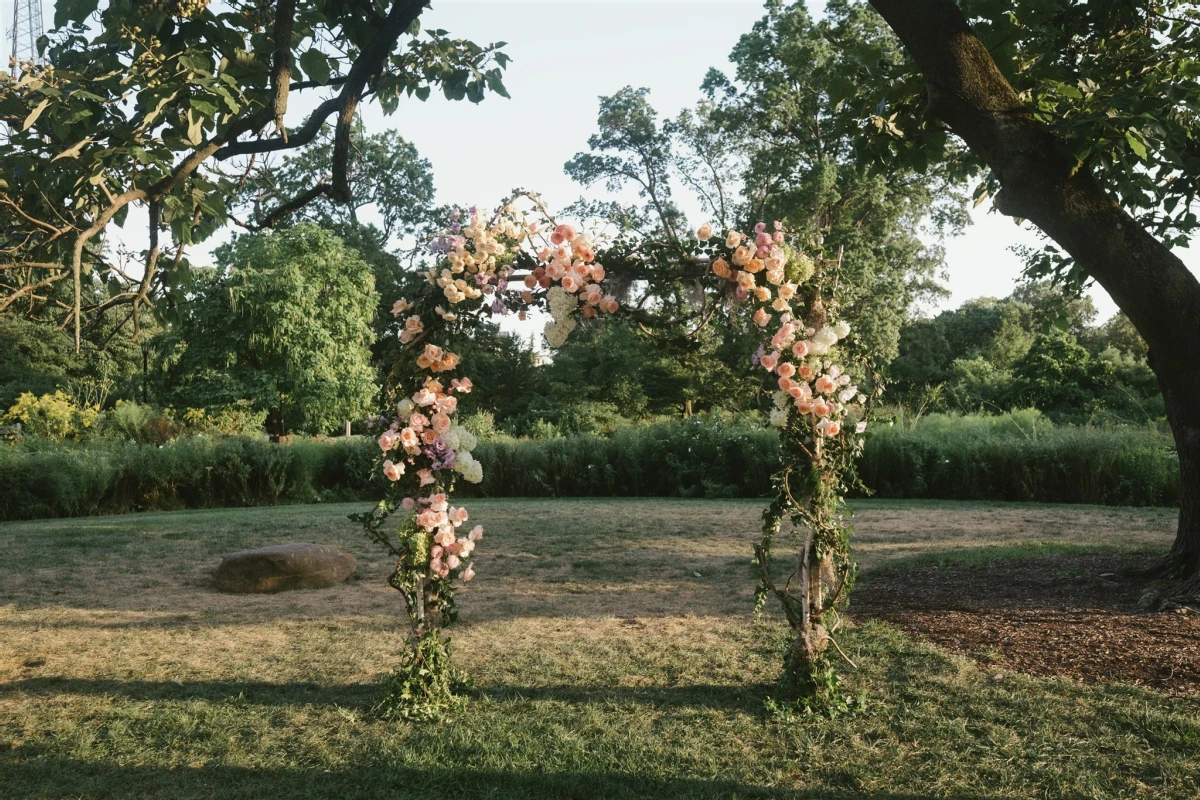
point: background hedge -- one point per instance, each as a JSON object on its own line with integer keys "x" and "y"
{"x": 1011, "y": 457}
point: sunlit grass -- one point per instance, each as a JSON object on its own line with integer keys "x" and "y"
{"x": 613, "y": 653}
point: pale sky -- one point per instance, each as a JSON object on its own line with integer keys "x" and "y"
{"x": 565, "y": 54}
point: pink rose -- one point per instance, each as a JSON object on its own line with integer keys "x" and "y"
{"x": 786, "y": 370}
{"x": 469, "y": 573}
{"x": 476, "y": 533}
{"x": 409, "y": 438}
{"x": 408, "y": 504}
{"x": 800, "y": 349}
{"x": 388, "y": 440}
{"x": 769, "y": 361}
{"x": 392, "y": 470}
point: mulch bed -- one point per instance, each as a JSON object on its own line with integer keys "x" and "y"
{"x": 1074, "y": 616}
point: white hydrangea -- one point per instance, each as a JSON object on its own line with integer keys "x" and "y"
{"x": 826, "y": 337}
{"x": 451, "y": 438}
{"x": 469, "y": 468}
{"x": 467, "y": 440}
{"x": 779, "y": 417}
{"x": 561, "y": 303}
{"x": 405, "y": 408}
{"x": 842, "y": 329}
{"x": 781, "y": 399}
{"x": 558, "y": 331}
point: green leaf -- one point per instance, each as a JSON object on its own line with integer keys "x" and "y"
{"x": 315, "y": 65}
{"x": 74, "y": 150}
{"x": 422, "y": 93}
{"x": 195, "y": 131}
{"x": 1136, "y": 145}
{"x": 33, "y": 115}
{"x": 66, "y": 11}
{"x": 205, "y": 107}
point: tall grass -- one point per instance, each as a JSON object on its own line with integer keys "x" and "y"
{"x": 1019, "y": 457}
{"x": 191, "y": 472}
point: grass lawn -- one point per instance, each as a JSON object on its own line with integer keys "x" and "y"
{"x": 613, "y": 653}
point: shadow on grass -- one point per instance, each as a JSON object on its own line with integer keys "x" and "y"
{"x": 26, "y": 775}
{"x": 361, "y": 696}
{"x": 351, "y": 695}
{"x": 746, "y": 697}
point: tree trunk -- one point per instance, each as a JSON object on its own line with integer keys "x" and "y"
{"x": 966, "y": 89}
{"x": 1183, "y": 412}
{"x": 810, "y": 639}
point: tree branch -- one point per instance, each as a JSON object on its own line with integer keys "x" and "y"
{"x": 369, "y": 63}
{"x": 966, "y": 89}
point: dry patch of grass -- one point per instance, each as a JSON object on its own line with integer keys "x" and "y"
{"x": 613, "y": 652}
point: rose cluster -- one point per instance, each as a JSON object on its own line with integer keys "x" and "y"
{"x": 770, "y": 274}
{"x": 475, "y": 264}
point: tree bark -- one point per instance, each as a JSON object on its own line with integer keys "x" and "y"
{"x": 966, "y": 90}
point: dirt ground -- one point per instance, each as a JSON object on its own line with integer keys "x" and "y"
{"x": 1066, "y": 615}
{"x": 110, "y": 596}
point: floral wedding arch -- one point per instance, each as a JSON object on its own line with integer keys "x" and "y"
{"x": 519, "y": 259}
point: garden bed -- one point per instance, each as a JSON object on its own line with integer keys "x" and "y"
{"x": 1071, "y": 615}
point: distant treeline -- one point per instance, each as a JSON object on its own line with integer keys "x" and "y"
{"x": 1019, "y": 457}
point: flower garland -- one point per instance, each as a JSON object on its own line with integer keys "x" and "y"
{"x": 423, "y": 450}
{"x": 817, "y": 406}
{"x": 821, "y": 414}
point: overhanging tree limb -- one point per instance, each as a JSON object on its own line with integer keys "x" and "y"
{"x": 966, "y": 89}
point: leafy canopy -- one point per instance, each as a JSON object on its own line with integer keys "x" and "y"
{"x": 170, "y": 106}
{"x": 285, "y": 323}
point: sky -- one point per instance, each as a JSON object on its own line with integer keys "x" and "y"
{"x": 565, "y": 55}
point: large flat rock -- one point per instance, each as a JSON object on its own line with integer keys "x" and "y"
{"x": 283, "y": 567}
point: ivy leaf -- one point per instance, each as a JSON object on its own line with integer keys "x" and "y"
{"x": 315, "y": 65}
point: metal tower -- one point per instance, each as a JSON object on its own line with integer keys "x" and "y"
{"x": 26, "y": 30}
